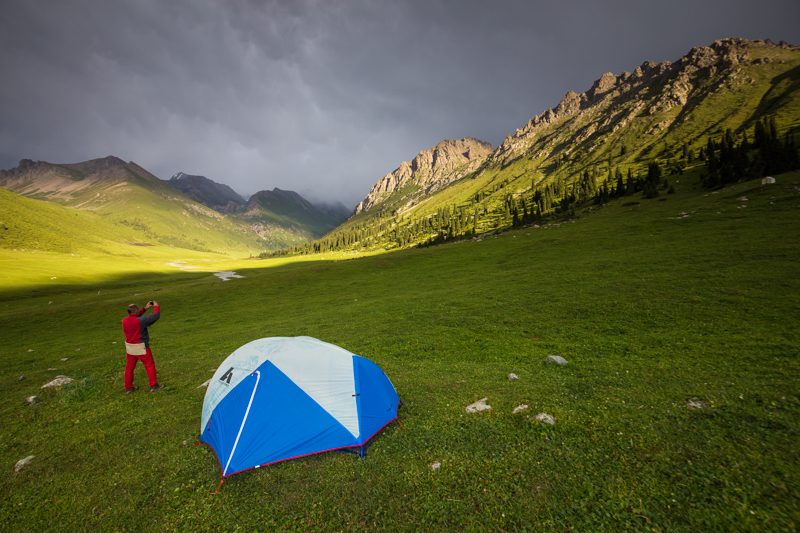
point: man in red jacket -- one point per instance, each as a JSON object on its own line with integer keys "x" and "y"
{"x": 137, "y": 344}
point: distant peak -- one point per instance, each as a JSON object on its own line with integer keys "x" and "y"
{"x": 274, "y": 192}
{"x": 108, "y": 160}
{"x": 178, "y": 176}
{"x": 431, "y": 169}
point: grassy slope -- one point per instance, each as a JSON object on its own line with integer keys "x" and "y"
{"x": 166, "y": 216}
{"x": 43, "y": 243}
{"x": 756, "y": 91}
{"x": 292, "y": 211}
{"x": 649, "y": 308}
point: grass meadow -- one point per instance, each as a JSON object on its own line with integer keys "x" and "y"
{"x": 652, "y": 302}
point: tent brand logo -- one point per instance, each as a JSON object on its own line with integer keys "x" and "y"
{"x": 226, "y": 377}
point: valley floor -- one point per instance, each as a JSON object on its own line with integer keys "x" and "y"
{"x": 678, "y": 409}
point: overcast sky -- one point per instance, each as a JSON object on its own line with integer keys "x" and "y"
{"x": 321, "y": 97}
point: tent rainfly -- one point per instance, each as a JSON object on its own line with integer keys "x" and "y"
{"x": 281, "y": 398}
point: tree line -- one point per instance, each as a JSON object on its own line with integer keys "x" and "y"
{"x": 728, "y": 160}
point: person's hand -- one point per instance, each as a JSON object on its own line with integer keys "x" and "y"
{"x": 148, "y": 305}
{"x": 154, "y": 303}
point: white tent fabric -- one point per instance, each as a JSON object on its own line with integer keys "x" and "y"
{"x": 307, "y": 361}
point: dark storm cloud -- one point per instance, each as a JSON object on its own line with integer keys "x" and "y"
{"x": 322, "y": 97}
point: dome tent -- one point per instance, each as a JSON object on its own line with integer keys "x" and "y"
{"x": 281, "y": 398}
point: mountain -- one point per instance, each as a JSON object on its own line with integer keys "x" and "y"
{"x": 128, "y": 196}
{"x": 79, "y": 184}
{"x": 266, "y": 213}
{"x": 186, "y": 211}
{"x": 215, "y": 195}
{"x": 728, "y": 83}
{"x": 664, "y": 114}
{"x": 430, "y": 171}
{"x": 288, "y": 209}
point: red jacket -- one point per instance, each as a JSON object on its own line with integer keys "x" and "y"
{"x": 135, "y": 326}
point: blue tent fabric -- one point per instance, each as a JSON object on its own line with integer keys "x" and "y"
{"x": 281, "y": 398}
{"x": 377, "y": 400}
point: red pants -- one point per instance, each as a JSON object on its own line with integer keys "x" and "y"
{"x": 149, "y": 366}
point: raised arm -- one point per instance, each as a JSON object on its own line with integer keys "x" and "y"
{"x": 151, "y": 319}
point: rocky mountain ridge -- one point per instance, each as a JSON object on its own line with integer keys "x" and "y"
{"x": 651, "y": 88}
{"x": 431, "y": 169}
{"x": 665, "y": 90}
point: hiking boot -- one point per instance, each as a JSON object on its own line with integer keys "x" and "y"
{"x": 131, "y": 390}
{"x": 156, "y": 387}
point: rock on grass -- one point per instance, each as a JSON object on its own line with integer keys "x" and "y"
{"x": 557, "y": 359}
{"x": 58, "y": 382}
{"x": 696, "y": 403}
{"x": 30, "y": 400}
{"x": 479, "y": 406}
{"x": 22, "y": 463}
{"x": 513, "y": 377}
{"x": 520, "y": 408}
{"x": 544, "y": 418}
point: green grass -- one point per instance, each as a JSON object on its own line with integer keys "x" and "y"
{"x": 649, "y": 308}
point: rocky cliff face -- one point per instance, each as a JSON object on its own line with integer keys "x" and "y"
{"x": 431, "y": 169}
{"x": 615, "y": 99}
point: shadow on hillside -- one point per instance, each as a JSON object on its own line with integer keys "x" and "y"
{"x": 772, "y": 98}
{"x": 138, "y": 282}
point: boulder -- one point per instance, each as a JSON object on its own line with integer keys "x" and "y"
{"x": 58, "y": 381}
{"x": 696, "y": 403}
{"x": 557, "y": 359}
{"x": 544, "y": 418}
{"x": 767, "y": 180}
{"x": 30, "y": 400}
{"x": 22, "y": 463}
{"x": 520, "y": 408}
{"x": 513, "y": 377}
{"x": 479, "y": 406}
